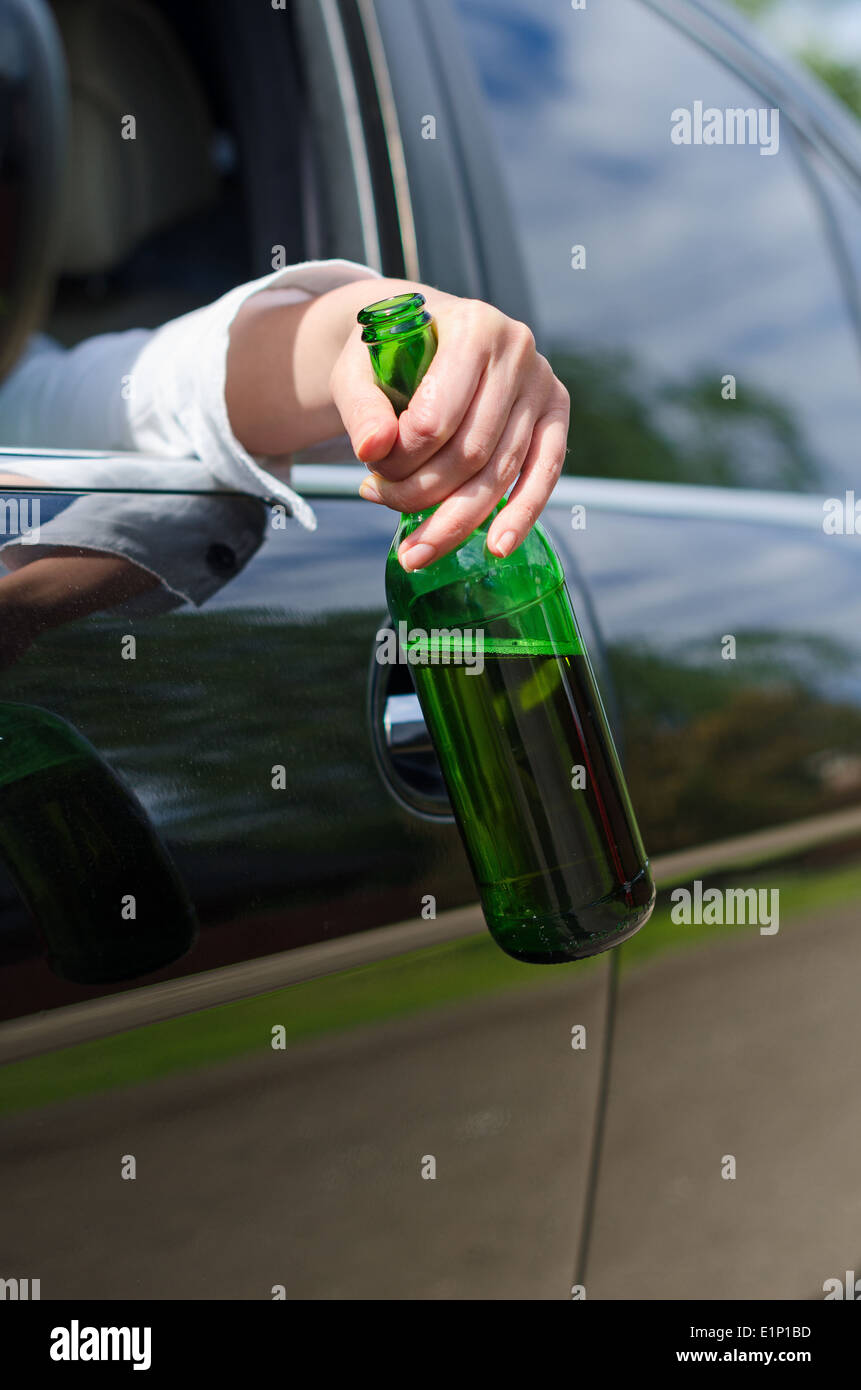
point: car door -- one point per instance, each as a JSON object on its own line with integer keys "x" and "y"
{"x": 701, "y": 301}
{"x": 342, "y": 1088}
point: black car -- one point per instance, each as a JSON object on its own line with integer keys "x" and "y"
{"x": 344, "y": 1089}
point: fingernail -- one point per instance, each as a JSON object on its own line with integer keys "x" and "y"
{"x": 365, "y": 444}
{"x": 417, "y": 556}
{"x": 506, "y": 543}
{"x": 370, "y": 492}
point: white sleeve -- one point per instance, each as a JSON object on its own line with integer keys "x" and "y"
{"x": 71, "y": 398}
{"x": 192, "y": 543}
{"x": 159, "y": 392}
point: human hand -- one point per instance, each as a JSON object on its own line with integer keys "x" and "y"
{"x": 489, "y": 411}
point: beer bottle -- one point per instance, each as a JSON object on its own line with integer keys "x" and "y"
{"x": 511, "y": 703}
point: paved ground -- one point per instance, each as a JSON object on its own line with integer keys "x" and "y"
{"x": 750, "y": 1047}
{"x": 304, "y": 1168}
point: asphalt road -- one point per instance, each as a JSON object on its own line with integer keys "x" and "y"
{"x": 304, "y": 1168}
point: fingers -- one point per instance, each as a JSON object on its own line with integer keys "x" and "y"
{"x": 467, "y": 455}
{"x": 533, "y": 448}
{"x": 512, "y": 381}
{"x": 489, "y": 412}
{"x": 538, "y": 477}
{"x": 441, "y": 406}
{"x": 366, "y": 411}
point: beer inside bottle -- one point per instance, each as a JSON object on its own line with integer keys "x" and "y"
{"x": 510, "y": 701}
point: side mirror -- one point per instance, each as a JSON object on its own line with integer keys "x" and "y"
{"x": 33, "y": 105}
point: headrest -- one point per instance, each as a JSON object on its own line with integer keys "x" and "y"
{"x": 128, "y": 77}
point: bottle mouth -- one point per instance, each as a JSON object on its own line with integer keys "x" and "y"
{"x": 388, "y": 318}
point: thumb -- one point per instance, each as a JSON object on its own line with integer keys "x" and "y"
{"x": 366, "y": 411}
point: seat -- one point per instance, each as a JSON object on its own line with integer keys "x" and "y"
{"x": 128, "y": 75}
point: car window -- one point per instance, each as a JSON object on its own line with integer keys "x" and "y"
{"x": 701, "y": 262}
{"x": 207, "y": 147}
{"x": 156, "y": 221}
{"x": 233, "y": 165}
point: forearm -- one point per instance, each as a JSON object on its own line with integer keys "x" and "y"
{"x": 280, "y": 361}
{"x": 69, "y": 584}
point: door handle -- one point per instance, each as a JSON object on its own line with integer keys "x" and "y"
{"x": 404, "y": 726}
{"x": 402, "y": 744}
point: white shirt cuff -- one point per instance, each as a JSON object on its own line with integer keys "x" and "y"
{"x": 177, "y": 404}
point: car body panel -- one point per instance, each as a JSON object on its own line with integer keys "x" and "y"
{"x": 301, "y": 1158}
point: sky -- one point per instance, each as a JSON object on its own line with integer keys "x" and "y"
{"x": 834, "y": 25}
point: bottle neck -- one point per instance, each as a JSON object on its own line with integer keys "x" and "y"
{"x": 389, "y": 319}
{"x": 401, "y": 338}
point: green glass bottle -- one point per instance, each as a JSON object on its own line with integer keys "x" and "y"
{"x": 520, "y": 733}
{"x": 99, "y": 884}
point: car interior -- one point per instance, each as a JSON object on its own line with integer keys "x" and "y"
{"x": 172, "y": 195}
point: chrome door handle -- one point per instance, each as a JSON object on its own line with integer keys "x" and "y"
{"x": 402, "y": 744}
{"x": 404, "y": 726}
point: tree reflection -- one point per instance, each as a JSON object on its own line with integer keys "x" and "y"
{"x": 625, "y": 426}
{"x": 714, "y": 751}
